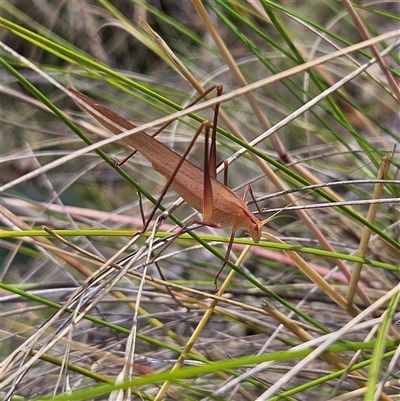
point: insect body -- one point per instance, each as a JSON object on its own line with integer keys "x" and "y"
{"x": 217, "y": 203}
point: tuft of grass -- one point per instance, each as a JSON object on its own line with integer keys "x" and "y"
{"x": 308, "y": 118}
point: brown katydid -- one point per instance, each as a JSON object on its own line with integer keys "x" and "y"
{"x": 220, "y": 207}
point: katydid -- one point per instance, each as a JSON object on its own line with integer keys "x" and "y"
{"x": 220, "y": 207}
